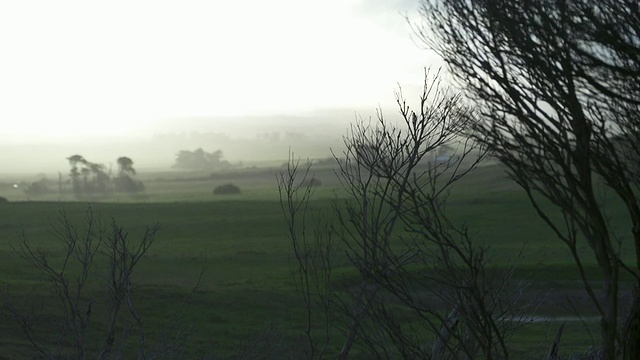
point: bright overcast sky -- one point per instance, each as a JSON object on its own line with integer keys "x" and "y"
{"x": 104, "y": 67}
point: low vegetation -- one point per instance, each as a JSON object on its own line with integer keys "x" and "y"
{"x": 390, "y": 259}
{"x": 246, "y": 296}
{"x": 226, "y": 189}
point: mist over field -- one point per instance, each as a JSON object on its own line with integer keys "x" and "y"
{"x": 251, "y": 79}
{"x": 250, "y": 140}
{"x": 352, "y": 179}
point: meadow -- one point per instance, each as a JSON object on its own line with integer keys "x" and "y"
{"x": 247, "y": 297}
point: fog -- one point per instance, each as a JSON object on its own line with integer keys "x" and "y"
{"x": 247, "y": 140}
{"x": 146, "y": 79}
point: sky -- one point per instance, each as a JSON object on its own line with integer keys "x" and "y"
{"x": 77, "y": 69}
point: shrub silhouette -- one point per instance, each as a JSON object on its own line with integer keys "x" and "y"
{"x": 226, "y": 189}
{"x": 3, "y": 199}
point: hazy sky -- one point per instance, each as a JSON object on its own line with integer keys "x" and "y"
{"x": 80, "y": 68}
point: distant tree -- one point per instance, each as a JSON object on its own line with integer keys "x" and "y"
{"x": 85, "y": 179}
{"x": 125, "y": 166}
{"x": 214, "y": 158}
{"x": 74, "y": 160}
{"x": 124, "y": 182}
{"x": 100, "y": 178}
{"x": 200, "y": 160}
{"x": 88, "y": 177}
{"x": 185, "y": 160}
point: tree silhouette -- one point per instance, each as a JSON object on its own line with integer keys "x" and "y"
{"x": 124, "y": 181}
{"x": 558, "y": 90}
{"x": 200, "y": 160}
{"x": 125, "y": 166}
{"x": 395, "y": 231}
{"x": 74, "y": 160}
{"x": 92, "y": 178}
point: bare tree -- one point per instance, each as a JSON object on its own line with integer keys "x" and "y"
{"x": 418, "y": 272}
{"x": 80, "y": 248}
{"x": 556, "y": 84}
{"x": 313, "y": 250}
{"x": 125, "y": 166}
{"x": 123, "y": 258}
{"x": 72, "y": 282}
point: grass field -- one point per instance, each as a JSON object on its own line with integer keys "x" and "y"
{"x": 241, "y": 243}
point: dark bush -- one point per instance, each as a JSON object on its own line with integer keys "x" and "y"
{"x": 3, "y": 199}
{"x": 226, "y": 189}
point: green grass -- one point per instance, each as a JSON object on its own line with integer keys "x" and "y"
{"x": 241, "y": 243}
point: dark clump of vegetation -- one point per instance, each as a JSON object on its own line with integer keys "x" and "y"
{"x": 92, "y": 178}
{"x": 3, "y": 199}
{"x": 226, "y": 189}
{"x": 200, "y": 160}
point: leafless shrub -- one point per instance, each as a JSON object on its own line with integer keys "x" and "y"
{"x": 418, "y": 272}
{"x": 314, "y": 250}
{"x": 90, "y": 252}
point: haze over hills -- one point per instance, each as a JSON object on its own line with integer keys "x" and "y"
{"x": 241, "y": 138}
{"x": 249, "y": 78}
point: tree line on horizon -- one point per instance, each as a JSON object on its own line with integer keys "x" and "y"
{"x": 86, "y": 177}
{"x": 200, "y": 160}
{"x": 550, "y": 89}
{"x": 92, "y": 178}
